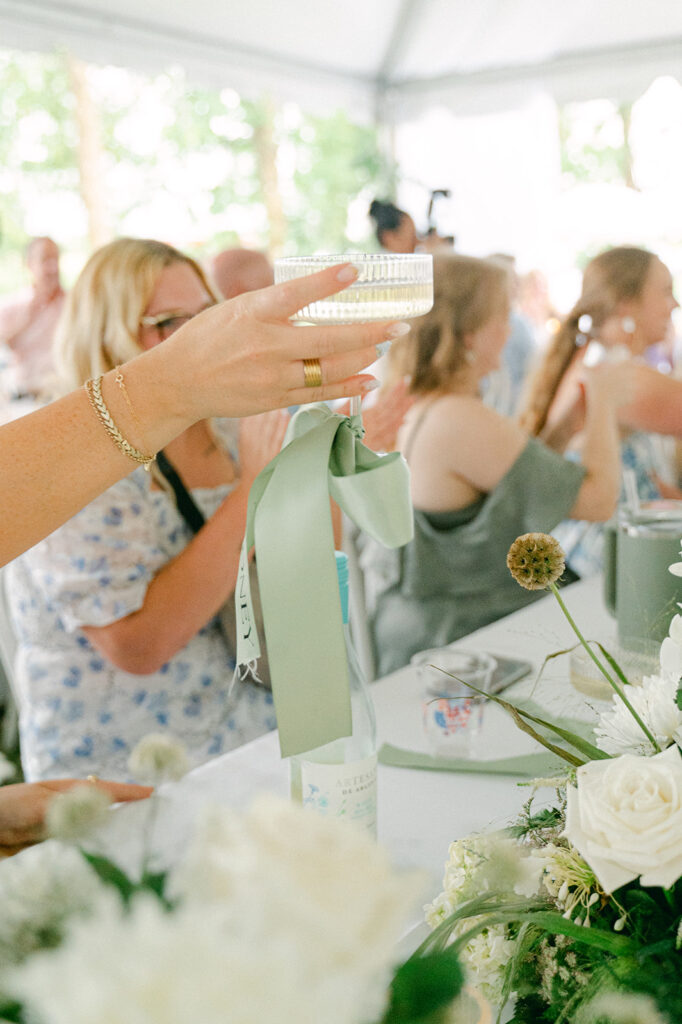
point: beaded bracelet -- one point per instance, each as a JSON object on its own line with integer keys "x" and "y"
{"x": 93, "y": 388}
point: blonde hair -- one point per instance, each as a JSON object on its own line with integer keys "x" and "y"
{"x": 99, "y": 327}
{"x": 610, "y": 278}
{"x": 467, "y": 293}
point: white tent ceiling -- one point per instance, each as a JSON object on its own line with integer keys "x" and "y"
{"x": 393, "y": 58}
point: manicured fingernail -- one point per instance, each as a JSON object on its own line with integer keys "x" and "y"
{"x": 397, "y": 330}
{"x": 347, "y": 273}
{"x": 383, "y": 347}
{"x": 370, "y": 385}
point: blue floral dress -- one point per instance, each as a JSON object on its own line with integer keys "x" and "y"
{"x": 583, "y": 542}
{"x": 80, "y": 714}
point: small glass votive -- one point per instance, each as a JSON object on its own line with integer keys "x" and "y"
{"x": 453, "y": 725}
{"x": 636, "y": 656}
{"x": 446, "y": 671}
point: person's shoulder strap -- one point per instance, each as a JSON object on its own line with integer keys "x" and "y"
{"x": 186, "y": 505}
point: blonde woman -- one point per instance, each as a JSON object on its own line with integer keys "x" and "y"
{"x": 235, "y": 359}
{"x": 625, "y": 307}
{"x": 115, "y": 612}
{"x": 478, "y": 480}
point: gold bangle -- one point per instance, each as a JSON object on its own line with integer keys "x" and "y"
{"x": 93, "y": 388}
{"x": 135, "y": 418}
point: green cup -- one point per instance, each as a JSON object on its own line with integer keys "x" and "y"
{"x": 638, "y": 588}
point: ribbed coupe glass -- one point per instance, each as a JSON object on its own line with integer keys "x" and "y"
{"x": 389, "y": 287}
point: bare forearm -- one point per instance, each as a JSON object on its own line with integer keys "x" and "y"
{"x": 601, "y": 458}
{"x": 54, "y": 461}
{"x": 182, "y": 597}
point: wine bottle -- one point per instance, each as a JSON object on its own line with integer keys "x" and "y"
{"x": 339, "y": 779}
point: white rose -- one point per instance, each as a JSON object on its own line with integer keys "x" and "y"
{"x": 625, "y": 818}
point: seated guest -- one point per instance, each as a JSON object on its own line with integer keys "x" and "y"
{"x": 624, "y": 308}
{"x": 503, "y": 388}
{"x": 115, "y": 611}
{"x": 27, "y": 325}
{"x": 395, "y": 228}
{"x": 236, "y": 271}
{"x": 478, "y": 480}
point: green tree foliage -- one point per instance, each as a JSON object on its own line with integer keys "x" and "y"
{"x": 193, "y": 165}
{"x": 595, "y": 143}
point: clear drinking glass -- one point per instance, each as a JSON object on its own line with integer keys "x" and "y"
{"x": 453, "y": 724}
{"x": 389, "y": 287}
{"x": 445, "y": 671}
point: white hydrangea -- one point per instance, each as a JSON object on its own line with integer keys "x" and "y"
{"x": 621, "y": 1008}
{"x": 478, "y": 864}
{"x": 284, "y": 916}
{"x": 73, "y": 815}
{"x": 158, "y": 758}
{"x": 617, "y": 732}
{"x": 485, "y": 957}
{"x": 484, "y": 863}
{"x": 326, "y": 885}
{"x": 40, "y": 891}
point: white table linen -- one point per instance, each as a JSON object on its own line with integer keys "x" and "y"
{"x": 420, "y": 812}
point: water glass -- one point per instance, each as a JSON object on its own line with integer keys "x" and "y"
{"x": 453, "y": 725}
{"x": 462, "y": 667}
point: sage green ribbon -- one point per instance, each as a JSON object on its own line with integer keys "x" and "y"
{"x": 289, "y": 522}
{"x": 527, "y": 766}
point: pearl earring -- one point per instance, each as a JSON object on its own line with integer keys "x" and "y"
{"x": 470, "y": 356}
{"x": 628, "y": 324}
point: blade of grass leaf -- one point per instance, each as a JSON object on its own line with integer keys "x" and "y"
{"x": 516, "y": 714}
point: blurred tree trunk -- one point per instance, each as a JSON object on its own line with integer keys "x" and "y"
{"x": 625, "y": 111}
{"x": 265, "y": 148}
{"x": 90, "y": 162}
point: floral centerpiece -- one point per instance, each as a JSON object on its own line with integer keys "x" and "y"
{"x": 275, "y": 915}
{"x": 576, "y": 909}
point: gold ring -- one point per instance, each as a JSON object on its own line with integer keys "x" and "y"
{"x": 312, "y": 373}
{"x": 92, "y": 778}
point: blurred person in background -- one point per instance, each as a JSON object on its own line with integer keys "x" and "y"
{"x": 394, "y": 228}
{"x": 28, "y": 323}
{"x": 624, "y": 308}
{"x": 477, "y": 479}
{"x": 236, "y": 271}
{"x": 536, "y": 305}
{"x": 396, "y": 232}
{"x": 502, "y": 389}
{"x": 115, "y": 612}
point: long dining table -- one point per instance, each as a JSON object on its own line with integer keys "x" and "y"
{"x": 419, "y": 811}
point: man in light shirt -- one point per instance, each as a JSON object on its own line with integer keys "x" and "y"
{"x": 27, "y": 324}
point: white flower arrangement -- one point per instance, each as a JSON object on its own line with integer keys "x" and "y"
{"x": 600, "y": 937}
{"x": 275, "y": 914}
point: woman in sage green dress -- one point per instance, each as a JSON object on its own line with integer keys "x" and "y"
{"x": 478, "y": 479}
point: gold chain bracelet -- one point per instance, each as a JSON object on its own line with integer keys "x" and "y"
{"x": 93, "y": 388}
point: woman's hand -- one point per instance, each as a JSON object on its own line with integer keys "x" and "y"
{"x": 245, "y": 356}
{"x": 384, "y": 418}
{"x": 23, "y": 807}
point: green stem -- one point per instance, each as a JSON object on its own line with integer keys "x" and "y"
{"x": 610, "y": 680}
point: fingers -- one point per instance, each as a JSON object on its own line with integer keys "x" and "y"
{"x": 118, "y": 791}
{"x": 360, "y": 384}
{"x": 281, "y": 301}
{"x": 318, "y": 342}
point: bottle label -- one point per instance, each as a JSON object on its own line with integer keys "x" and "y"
{"x": 342, "y": 790}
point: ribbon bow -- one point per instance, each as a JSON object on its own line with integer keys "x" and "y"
{"x": 289, "y": 521}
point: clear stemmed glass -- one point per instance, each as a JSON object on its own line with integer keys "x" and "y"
{"x": 389, "y": 286}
